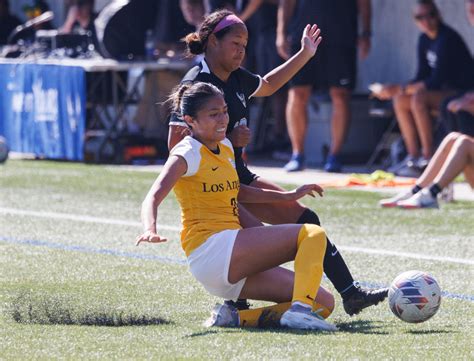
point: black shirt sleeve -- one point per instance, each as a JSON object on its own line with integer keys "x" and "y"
{"x": 249, "y": 82}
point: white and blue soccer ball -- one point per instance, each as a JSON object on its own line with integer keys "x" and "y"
{"x": 414, "y": 296}
{"x": 3, "y": 149}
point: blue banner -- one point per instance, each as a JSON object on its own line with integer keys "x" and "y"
{"x": 42, "y": 109}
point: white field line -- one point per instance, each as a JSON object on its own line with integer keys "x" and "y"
{"x": 89, "y": 219}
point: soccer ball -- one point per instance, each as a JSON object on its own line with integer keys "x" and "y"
{"x": 3, "y": 149}
{"x": 414, "y": 296}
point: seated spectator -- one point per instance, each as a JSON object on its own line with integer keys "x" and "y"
{"x": 80, "y": 20}
{"x": 458, "y": 111}
{"x": 8, "y": 22}
{"x": 454, "y": 155}
{"x": 445, "y": 67}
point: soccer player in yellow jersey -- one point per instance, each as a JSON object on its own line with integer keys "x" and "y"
{"x": 229, "y": 261}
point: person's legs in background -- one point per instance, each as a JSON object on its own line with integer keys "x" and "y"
{"x": 339, "y": 79}
{"x": 406, "y": 123}
{"x": 423, "y": 104}
{"x": 297, "y": 122}
{"x": 340, "y": 119}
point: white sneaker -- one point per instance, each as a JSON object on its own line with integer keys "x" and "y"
{"x": 393, "y": 202}
{"x": 300, "y": 317}
{"x": 223, "y": 316}
{"x": 422, "y": 199}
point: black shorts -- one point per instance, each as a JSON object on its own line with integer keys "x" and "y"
{"x": 332, "y": 66}
{"x": 245, "y": 175}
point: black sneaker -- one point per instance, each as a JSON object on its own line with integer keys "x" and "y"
{"x": 240, "y": 304}
{"x": 363, "y": 298}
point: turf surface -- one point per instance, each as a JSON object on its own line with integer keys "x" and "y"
{"x": 73, "y": 285}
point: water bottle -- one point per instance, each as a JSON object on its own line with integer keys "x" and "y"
{"x": 149, "y": 45}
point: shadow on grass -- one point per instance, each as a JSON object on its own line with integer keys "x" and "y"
{"x": 28, "y": 308}
{"x": 430, "y": 332}
{"x": 359, "y": 326}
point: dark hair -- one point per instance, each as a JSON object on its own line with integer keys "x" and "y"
{"x": 188, "y": 98}
{"x": 196, "y": 42}
{"x": 431, "y": 4}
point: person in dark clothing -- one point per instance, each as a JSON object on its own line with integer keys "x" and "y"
{"x": 80, "y": 20}
{"x": 445, "y": 67}
{"x": 8, "y": 22}
{"x": 333, "y": 71}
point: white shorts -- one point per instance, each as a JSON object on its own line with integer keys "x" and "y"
{"x": 210, "y": 262}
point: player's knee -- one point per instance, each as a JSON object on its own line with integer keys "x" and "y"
{"x": 315, "y": 233}
{"x": 310, "y": 217}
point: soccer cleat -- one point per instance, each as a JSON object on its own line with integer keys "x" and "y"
{"x": 223, "y": 316}
{"x": 302, "y": 318}
{"x": 422, "y": 199}
{"x": 363, "y": 298}
{"x": 393, "y": 201}
{"x": 295, "y": 164}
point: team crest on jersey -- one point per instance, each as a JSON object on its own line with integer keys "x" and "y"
{"x": 241, "y": 97}
{"x": 231, "y": 161}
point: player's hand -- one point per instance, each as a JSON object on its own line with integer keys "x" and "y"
{"x": 150, "y": 237}
{"x": 307, "y": 189}
{"x": 240, "y": 136}
{"x": 311, "y": 39}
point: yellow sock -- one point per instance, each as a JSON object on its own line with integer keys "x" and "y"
{"x": 269, "y": 317}
{"x": 311, "y": 247}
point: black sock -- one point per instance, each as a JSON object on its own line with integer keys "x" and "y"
{"x": 435, "y": 189}
{"x": 334, "y": 265}
{"x": 308, "y": 216}
{"x": 416, "y": 189}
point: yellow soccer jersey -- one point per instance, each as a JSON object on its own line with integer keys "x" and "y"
{"x": 207, "y": 193}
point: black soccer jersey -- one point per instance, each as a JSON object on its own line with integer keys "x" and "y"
{"x": 238, "y": 89}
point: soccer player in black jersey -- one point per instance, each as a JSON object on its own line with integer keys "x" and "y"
{"x": 222, "y": 38}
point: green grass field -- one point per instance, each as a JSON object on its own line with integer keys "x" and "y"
{"x": 74, "y": 286}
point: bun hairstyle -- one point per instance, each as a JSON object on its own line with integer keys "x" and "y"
{"x": 196, "y": 42}
{"x": 189, "y": 98}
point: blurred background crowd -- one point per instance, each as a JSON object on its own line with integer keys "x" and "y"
{"x": 402, "y": 68}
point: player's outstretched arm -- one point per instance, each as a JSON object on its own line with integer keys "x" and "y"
{"x": 279, "y": 76}
{"x": 248, "y": 194}
{"x": 174, "y": 168}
